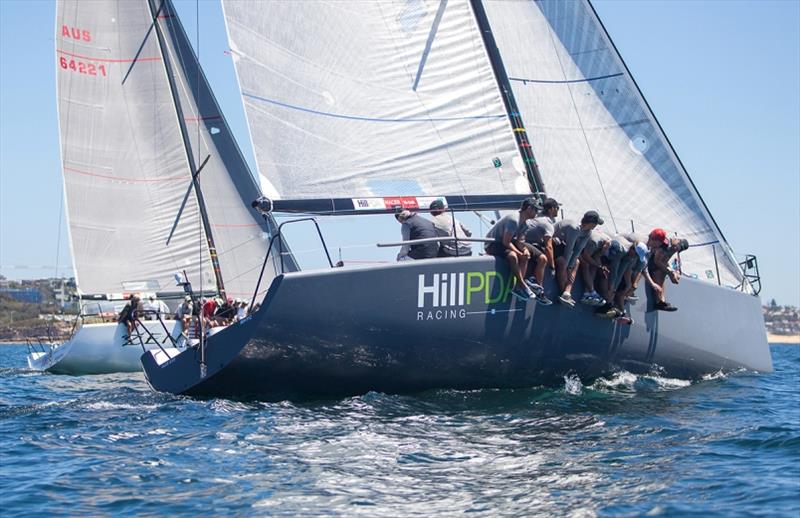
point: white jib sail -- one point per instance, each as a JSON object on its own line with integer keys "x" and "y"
{"x": 353, "y": 98}
{"x": 597, "y": 143}
{"x": 240, "y": 234}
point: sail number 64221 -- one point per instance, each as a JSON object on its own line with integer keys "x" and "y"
{"x": 82, "y": 67}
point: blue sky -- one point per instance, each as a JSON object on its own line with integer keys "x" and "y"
{"x": 723, "y": 78}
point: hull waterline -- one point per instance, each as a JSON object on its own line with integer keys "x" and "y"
{"x": 450, "y": 323}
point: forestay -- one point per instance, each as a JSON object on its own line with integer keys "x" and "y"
{"x": 353, "y": 98}
{"x": 124, "y": 164}
{"x": 597, "y": 143}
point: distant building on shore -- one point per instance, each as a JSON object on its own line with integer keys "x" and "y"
{"x": 782, "y": 320}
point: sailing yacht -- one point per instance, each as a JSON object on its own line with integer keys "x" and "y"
{"x": 142, "y": 140}
{"x": 366, "y": 107}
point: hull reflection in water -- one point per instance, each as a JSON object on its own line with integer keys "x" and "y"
{"x": 451, "y": 323}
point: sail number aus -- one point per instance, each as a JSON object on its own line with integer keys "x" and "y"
{"x": 82, "y": 67}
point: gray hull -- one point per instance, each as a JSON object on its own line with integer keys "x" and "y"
{"x": 450, "y": 323}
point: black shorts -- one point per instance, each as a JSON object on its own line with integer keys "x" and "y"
{"x": 495, "y": 248}
{"x": 534, "y": 250}
{"x": 558, "y": 249}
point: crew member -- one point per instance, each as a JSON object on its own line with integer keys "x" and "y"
{"x": 445, "y": 224}
{"x": 659, "y": 269}
{"x": 538, "y": 237}
{"x": 506, "y": 238}
{"x": 128, "y": 314}
{"x": 415, "y": 227}
{"x": 591, "y": 263}
{"x": 570, "y": 238}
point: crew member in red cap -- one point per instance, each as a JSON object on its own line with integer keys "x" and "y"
{"x": 659, "y": 268}
{"x": 657, "y": 237}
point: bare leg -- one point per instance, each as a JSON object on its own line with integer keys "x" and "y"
{"x": 660, "y": 278}
{"x": 561, "y": 272}
{"x": 588, "y": 273}
{"x": 541, "y": 264}
{"x": 514, "y": 264}
{"x": 523, "y": 267}
{"x": 571, "y": 277}
{"x": 619, "y": 297}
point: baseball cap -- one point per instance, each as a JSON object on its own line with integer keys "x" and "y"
{"x": 550, "y": 203}
{"x": 187, "y": 298}
{"x": 641, "y": 251}
{"x": 530, "y": 202}
{"x": 402, "y": 215}
{"x": 592, "y": 217}
{"x": 437, "y": 205}
{"x": 659, "y": 234}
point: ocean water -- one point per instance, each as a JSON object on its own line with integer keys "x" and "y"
{"x": 627, "y": 445}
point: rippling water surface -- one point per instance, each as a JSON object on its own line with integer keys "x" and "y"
{"x": 626, "y": 445}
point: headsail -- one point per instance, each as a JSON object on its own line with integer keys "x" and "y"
{"x": 123, "y": 160}
{"x": 353, "y": 98}
{"x": 240, "y": 233}
{"x": 596, "y": 141}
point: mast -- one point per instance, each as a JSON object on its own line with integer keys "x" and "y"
{"x": 212, "y": 250}
{"x": 524, "y": 145}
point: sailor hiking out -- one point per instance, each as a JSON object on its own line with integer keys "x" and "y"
{"x": 570, "y": 238}
{"x": 507, "y": 238}
{"x": 591, "y": 264}
{"x": 539, "y": 242}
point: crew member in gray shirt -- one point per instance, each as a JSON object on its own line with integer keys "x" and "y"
{"x": 445, "y": 225}
{"x": 506, "y": 242}
{"x": 538, "y": 240}
{"x": 570, "y": 239}
{"x": 591, "y": 263}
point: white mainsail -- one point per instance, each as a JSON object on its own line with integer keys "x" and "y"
{"x": 353, "y": 98}
{"x": 125, "y": 163}
{"x": 597, "y": 143}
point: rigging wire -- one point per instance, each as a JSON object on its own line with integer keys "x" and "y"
{"x": 583, "y": 131}
{"x": 60, "y": 219}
